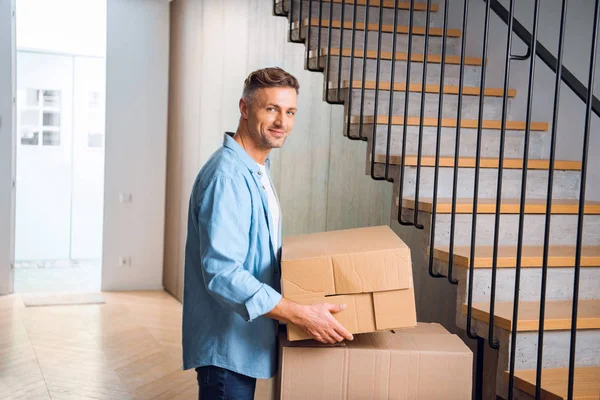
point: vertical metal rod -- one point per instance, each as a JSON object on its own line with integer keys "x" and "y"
{"x": 486, "y": 31}
{"x": 584, "y": 166}
{"x": 291, "y": 38}
{"x": 341, "y": 50}
{"x": 509, "y": 36}
{"x": 422, "y": 117}
{"x": 438, "y": 141}
{"x": 328, "y": 65}
{"x": 557, "y": 85}
{"x": 364, "y": 74}
{"x": 375, "y": 108}
{"x": 391, "y": 99}
{"x": 479, "y": 368}
{"x": 308, "y": 44}
{"x": 404, "y": 127}
{"x": 515, "y": 320}
{"x": 457, "y": 150}
{"x": 351, "y": 85}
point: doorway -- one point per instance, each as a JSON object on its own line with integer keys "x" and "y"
{"x": 60, "y": 87}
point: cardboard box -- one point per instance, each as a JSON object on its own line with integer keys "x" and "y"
{"x": 382, "y": 365}
{"x": 368, "y": 269}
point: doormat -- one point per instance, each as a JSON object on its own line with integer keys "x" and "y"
{"x": 61, "y": 299}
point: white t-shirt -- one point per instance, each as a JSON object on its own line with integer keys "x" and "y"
{"x": 273, "y": 205}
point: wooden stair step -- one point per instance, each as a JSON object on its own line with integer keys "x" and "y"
{"x": 374, "y": 26}
{"x": 451, "y": 123}
{"x": 555, "y": 383}
{"x": 531, "y": 256}
{"x": 400, "y": 56}
{"x": 402, "y": 5}
{"x": 508, "y": 206}
{"x": 557, "y": 314}
{"x": 430, "y": 88}
{"x": 484, "y": 162}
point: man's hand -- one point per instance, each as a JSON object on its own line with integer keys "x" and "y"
{"x": 316, "y": 320}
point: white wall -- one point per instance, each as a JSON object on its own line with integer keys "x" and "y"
{"x": 62, "y": 26}
{"x": 7, "y": 114}
{"x": 136, "y": 135}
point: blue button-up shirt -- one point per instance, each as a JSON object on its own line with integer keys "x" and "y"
{"x": 231, "y": 268}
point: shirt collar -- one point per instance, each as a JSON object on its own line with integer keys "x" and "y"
{"x": 229, "y": 142}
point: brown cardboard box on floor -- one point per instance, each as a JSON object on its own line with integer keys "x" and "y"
{"x": 383, "y": 365}
{"x": 368, "y": 269}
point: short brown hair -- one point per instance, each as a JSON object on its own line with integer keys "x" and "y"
{"x": 268, "y": 77}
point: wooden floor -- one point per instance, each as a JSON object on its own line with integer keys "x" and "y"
{"x": 128, "y": 348}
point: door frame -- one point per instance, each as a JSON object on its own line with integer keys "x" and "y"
{"x": 9, "y": 123}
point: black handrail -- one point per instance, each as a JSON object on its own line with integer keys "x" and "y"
{"x": 376, "y": 101}
{"x": 351, "y": 83}
{"x": 328, "y": 65}
{"x": 388, "y": 142}
{"x": 566, "y": 76}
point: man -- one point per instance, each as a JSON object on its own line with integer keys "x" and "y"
{"x": 231, "y": 301}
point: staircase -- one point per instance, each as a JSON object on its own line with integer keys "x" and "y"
{"x": 466, "y": 247}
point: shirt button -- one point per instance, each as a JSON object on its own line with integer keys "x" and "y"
{"x": 264, "y": 188}
{"x": 259, "y": 173}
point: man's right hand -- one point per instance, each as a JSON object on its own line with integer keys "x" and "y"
{"x": 317, "y": 321}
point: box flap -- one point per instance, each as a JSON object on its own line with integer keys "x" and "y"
{"x": 395, "y": 309}
{"x": 422, "y": 327}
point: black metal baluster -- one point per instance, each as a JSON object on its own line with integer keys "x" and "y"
{"x": 557, "y": 85}
{"x": 291, "y": 37}
{"x": 391, "y": 99}
{"x": 318, "y": 49}
{"x": 281, "y": 14}
{"x": 404, "y": 128}
{"x": 515, "y": 320}
{"x": 329, "y": 29}
{"x": 491, "y": 341}
{"x": 422, "y": 117}
{"x": 439, "y": 139}
{"x": 584, "y": 165}
{"x": 364, "y": 74}
{"x": 486, "y": 31}
{"x": 376, "y": 102}
{"x": 351, "y": 85}
{"x": 340, "y": 59}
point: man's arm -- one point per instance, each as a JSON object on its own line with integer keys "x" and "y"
{"x": 224, "y": 224}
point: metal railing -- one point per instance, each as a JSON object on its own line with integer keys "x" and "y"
{"x": 534, "y": 50}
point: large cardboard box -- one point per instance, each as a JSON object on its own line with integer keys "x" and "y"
{"x": 368, "y": 269}
{"x": 411, "y": 363}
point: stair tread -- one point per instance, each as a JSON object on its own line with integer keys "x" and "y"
{"x": 555, "y": 382}
{"x": 417, "y": 87}
{"x": 400, "y": 56}
{"x": 402, "y": 5}
{"x": 451, "y": 122}
{"x": 531, "y": 256}
{"x": 374, "y": 26}
{"x": 557, "y": 314}
{"x": 508, "y": 206}
{"x": 484, "y": 162}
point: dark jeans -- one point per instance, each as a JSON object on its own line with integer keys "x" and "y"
{"x": 217, "y": 383}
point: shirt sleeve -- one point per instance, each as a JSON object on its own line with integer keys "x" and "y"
{"x": 224, "y": 225}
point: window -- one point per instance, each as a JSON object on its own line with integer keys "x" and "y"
{"x": 40, "y": 111}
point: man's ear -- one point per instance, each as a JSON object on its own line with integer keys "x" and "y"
{"x": 244, "y": 108}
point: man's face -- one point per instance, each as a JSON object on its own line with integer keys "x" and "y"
{"x": 270, "y": 116}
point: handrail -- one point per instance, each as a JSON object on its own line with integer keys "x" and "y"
{"x": 566, "y": 76}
